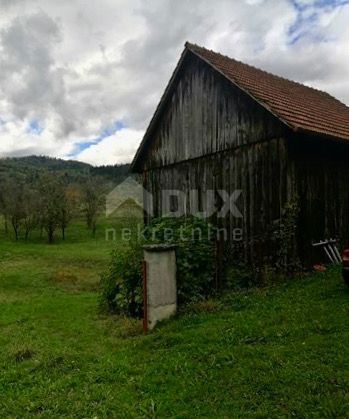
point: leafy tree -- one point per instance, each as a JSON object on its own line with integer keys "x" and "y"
{"x": 69, "y": 206}
{"x": 93, "y": 199}
{"x": 31, "y": 211}
{"x": 13, "y": 203}
{"x": 3, "y": 204}
{"x": 52, "y": 200}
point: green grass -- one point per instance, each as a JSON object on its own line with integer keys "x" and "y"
{"x": 277, "y": 352}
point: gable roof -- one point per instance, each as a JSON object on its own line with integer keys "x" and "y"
{"x": 300, "y": 107}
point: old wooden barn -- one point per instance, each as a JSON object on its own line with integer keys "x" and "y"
{"x": 224, "y": 125}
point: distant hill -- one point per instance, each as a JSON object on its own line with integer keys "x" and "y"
{"x": 30, "y": 168}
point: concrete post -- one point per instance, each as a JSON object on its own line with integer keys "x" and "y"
{"x": 159, "y": 283}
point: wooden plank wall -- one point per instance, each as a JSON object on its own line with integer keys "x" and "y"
{"x": 322, "y": 177}
{"x": 261, "y": 171}
{"x": 205, "y": 115}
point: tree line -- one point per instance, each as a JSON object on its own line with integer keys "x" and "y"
{"x": 48, "y": 204}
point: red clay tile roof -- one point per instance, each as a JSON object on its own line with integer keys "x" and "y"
{"x": 299, "y": 106}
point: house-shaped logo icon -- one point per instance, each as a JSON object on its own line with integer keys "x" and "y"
{"x": 126, "y": 199}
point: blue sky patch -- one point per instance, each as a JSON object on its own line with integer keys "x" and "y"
{"x": 34, "y": 127}
{"x": 308, "y": 15}
{"x": 112, "y": 129}
{"x": 105, "y": 132}
{"x": 81, "y": 146}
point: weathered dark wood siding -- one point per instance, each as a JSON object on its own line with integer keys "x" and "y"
{"x": 322, "y": 177}
{"x": 262, "y": 171}
{"x": 205, "y": 115}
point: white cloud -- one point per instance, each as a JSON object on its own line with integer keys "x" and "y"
{"x": 117, "y": 148}
{"x": 77, "y": 67}
{"x": 17, "y": 140}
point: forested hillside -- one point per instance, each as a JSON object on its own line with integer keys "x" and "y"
{"x": 30, "y": 168}
{"x": 45, "y": 194}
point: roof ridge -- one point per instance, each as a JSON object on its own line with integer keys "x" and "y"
{"x": 192, "y": 46}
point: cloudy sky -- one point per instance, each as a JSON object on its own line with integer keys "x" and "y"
{"x": 80, "y": 79}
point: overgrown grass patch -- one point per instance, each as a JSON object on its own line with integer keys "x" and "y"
{"x": 280, "y": 351}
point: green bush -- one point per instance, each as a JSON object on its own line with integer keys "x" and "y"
{"x": 121, "y": 284}
{"x": 195, "y": 251}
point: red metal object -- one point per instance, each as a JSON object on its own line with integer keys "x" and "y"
{"x": 145, "y": 297}
{"x": 345, "y": 257}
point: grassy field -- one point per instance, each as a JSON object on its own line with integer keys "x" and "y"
{"x": 276, "y": 352}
